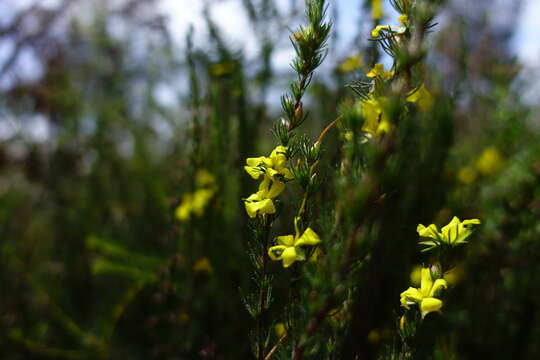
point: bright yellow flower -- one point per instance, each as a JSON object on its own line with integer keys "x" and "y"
{"x": 422, "y": 97}
{"x": 490, "y": 162}
{"x": 376, "y": 120}
{"x": 255, "y": 205}
{"x": 403, "y": 18}
{"x": 273, "y": 166}
{"x": 183, "y": 211}
{"x": 426, "y": 296}
{"x": 290, "y": 247}
{"x": 453, "y": 234}
{"x": 378, "y": 70}
{"x": 199, "y": 200}
{"x": 194, "y": 203}
{"x": 377, "y": 31}
{"x": 376, "y": 9}
{"x": 351, "y": 63}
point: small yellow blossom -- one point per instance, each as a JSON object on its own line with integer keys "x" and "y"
{"x": 274, "y": 174}
{"x": 377, "y": 31}
{"x": 280, "y": 330}
{"x": 194, "y": 203}
{"x": 289, "y": 248}
{"x": 376, "y": 9}
{"x": 376, "y": 120}
{"x": 467, "y": 175}
{"x": 490, "y": 162}
{"x": 378, "y": 70}
{"x": 204, "y": 179}
{"x": 199, "y": 200}
{"x": 351, "y": 63}
{"x": 426, "y": 296}
{"x": 203, "y": 265}
{"x": 453, "y": 234}
{"x": 273, "y": 166}
{"x": 403, "y": 18}
{"x": 183, "y": 211}
{"x": 422, "y": 97}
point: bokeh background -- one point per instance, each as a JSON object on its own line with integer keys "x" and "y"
{"x": 110, "y": 109}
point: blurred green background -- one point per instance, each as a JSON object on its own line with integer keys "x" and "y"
{"x": 109, "y": 110}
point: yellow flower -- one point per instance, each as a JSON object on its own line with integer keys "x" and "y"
{"x": 453, "y": 234}
{"x": 375, "y": 118}
{"x": 490, "y": 162}
{"x": 403, "y": 18}
{"x": 351, "y": 63}
{"x": 376, "y": 9}
{"x": 467, "y": 175}
{"x": 183, "y": 211}
{"x": 280, "y": 330}
{"x": 422, "y": 97}
{"x": 255, "y": 205}
{"x": 195, "y": 202}
{"x": 199, "y": 200}
{"x": 289, "y": 248}
{"x": 377, "y": 31}
{"x": 426, "y": 296}
{"x": 204, "y": 178}
{"x": 273, "y": 166}
{"x": 378, "y": 70}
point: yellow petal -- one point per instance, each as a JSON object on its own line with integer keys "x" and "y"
{"x": 426, "y": 283}
{"x": 422, "y": 97}
{"x": 438, "y": 285}
{"x": 410, "y": 296}
{"x": 259, "y": 161}
{"x": 287, "y": 174}
{"x": 287, "y": 240}
{"x": 403, "y": 18}
{"x": 430, "y": 231}
{"x": 278, "y": 156}
{"x": 201, "y": 197}
{"x": 260, "y": 207}
{"x": 309, "y": 237}
{"x": 289, "y": 256}
{"x": 430, "y": 305}
{"x": 183, "y": 211}
{"x": 377, "y": 70}
{"x": 275, "y": 252}
{"x": 254, "y": 171}
{"x": 376, "y": 32}
{"x": 276, "y": 189}
{"x": 451, "y": 232}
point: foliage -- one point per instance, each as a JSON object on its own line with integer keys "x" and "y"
{"x": 129, "y": 231}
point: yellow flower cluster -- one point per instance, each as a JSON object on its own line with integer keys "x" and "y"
{"x": 454, "y": 233}
{"x": 489, "y": 163}
{"x": 194, "y": 203}
{"x": 274, "y": 175}
{"x": 376, "y": 120}
{"x": 426, "y": 296}
{"x": 290, "y": 248}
